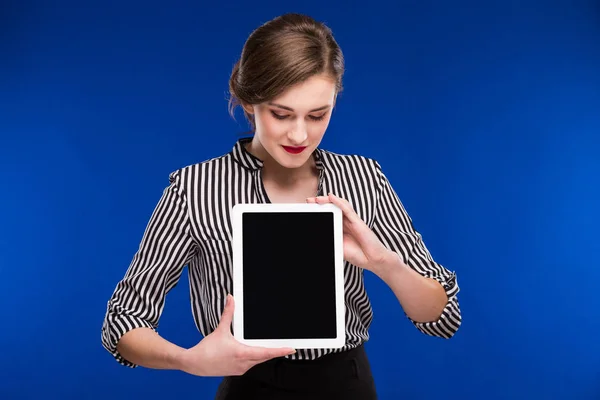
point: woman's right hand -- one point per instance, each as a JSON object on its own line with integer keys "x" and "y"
{"x": 220, "y": 354}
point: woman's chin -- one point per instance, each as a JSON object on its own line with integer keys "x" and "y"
{"x": 290, "y": 160}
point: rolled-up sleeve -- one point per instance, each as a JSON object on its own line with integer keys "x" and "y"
{"x": 166, "y": 247}
{"x": 395, "y": 229}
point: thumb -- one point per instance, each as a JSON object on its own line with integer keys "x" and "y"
{"x": 227, "y": 316}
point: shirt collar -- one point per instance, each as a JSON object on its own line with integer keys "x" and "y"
{"x": 243, "y": 157}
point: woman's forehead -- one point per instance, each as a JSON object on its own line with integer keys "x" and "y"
{"x": 314, "y": 93}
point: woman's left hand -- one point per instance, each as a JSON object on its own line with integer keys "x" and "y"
{"x": 361, "y": 246}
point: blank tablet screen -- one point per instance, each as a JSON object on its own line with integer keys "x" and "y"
{"x": 289, "y": 275}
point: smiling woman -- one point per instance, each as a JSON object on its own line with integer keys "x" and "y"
{"x": 287, "y": 81}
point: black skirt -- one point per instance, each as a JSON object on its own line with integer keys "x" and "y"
{"x": 345, "y": 375}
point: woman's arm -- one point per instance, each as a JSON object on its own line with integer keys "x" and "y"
{"x": 133, "y": 311}
{"x": 426, "y": 290}
{"x": 423, "y": 299}
{"x": 144, "y": 347}
{"x": 218, "y": 354}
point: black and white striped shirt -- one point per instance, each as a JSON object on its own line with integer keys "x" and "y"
{"x": 191, "y": 226}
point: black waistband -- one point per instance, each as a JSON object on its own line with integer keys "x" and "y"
{"x": 327, "y": 359}
{"x": 327, "y": 370}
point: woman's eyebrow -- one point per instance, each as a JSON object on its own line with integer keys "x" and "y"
{"x": 291, "y": 109}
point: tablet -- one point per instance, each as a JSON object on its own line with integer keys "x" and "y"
{"x": 288, "y": 275}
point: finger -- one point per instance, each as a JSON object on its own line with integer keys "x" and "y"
{"x": 227, "y": 316}
{"x": 346, "y": 208}
{"x": 261, "y": 354}
{"x": 322, "y": 200}
{"x": 275, "y": 353}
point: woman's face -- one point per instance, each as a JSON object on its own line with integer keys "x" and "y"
{"x": 290, "y": 127}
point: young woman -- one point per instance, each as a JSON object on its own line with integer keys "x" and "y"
{"x": 286, "y": 80}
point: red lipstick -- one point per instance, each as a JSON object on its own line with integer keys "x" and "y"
{"x": 294, "y": 150}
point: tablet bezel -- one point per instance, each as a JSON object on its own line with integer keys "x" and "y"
{"x": 238, "y": 272}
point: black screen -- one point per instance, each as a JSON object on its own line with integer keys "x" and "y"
{"x": 289, "y": 275}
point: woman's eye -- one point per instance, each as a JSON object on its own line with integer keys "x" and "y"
{"x": 278, "y": 116}
{"x": 311, "y": 117}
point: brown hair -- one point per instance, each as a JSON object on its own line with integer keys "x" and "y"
{"x": 281, "y": 53}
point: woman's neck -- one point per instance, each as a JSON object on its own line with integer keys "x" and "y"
{"x": 275, "y": 172}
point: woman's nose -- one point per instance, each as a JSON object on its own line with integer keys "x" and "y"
{"x": 298, "y": 134}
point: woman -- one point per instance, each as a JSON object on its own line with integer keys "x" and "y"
{"x": 286, "y": 81}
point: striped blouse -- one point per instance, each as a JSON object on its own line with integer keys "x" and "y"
{"x": 191, "y": 226}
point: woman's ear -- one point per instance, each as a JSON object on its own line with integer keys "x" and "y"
{"x": 248, "y": 108}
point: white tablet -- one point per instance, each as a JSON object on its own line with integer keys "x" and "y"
{"x": 288, "y": 275}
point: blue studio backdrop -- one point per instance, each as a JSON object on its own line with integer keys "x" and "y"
{"x": 484, "y": 115}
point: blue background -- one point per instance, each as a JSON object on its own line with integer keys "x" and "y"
{"x": 484, "y": 115}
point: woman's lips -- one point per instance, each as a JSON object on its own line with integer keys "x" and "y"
{"x": 294, "y": 149}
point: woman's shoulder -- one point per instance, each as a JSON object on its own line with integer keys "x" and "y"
{"x": 214, "y": 165}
